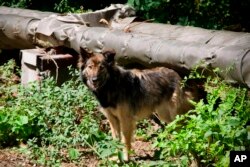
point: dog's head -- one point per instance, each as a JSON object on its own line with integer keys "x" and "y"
{"x": 95, "y": 67}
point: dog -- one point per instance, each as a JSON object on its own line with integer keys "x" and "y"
{"x": 126, "y": 96}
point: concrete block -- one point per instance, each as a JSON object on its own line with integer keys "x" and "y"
{"x": 36, "y": 65}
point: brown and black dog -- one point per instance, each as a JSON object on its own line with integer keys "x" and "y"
{"x": 127, "y": 96}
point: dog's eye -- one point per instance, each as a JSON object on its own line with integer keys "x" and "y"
{"x": 101, "y": 66}
{"x": 90, "y": 66}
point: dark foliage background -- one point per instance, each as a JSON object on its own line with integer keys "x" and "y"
{"x": 60, "y": 5}
{"x": 212, "y": 14}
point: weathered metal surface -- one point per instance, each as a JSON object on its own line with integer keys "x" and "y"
{"x": 148, "y": 44}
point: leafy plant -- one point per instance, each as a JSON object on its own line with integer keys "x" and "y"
{"x": 209, "y": 132}
{"x": 209, "y": 14}
{"x": 67, "y": 6}
{"x": 56, "y": 123}
{"x": 15, "y": 3}
{"x": 62, "y": 124}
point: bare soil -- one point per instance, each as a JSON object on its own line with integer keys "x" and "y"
{"x": 12, "y": 158}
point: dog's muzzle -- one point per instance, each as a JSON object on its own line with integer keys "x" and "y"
{"x": 94, "y": 80}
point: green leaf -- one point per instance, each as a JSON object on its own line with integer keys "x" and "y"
{"x": 73, "y": 153}
{"x": 234, "y": 121}
{"x": 22, "y": 120}
{"x": 121, "y": 156}
{"x": 248, "y": 132}
{"x": 105, "y": 153}
{"x": 208, "y": 133}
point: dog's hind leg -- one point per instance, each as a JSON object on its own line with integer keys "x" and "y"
{"x": 166, "y": 111}
{"x": 169, "y": 108}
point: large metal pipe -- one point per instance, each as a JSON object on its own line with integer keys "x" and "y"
{"x": 149, "y": 44}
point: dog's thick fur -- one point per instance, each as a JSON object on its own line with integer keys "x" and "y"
{"x": 127, "y": 96}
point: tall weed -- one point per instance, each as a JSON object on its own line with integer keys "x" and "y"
{"x": 62, "y": 124}
{"x": 208, "y": 133}
{"x": 55, "y": 123}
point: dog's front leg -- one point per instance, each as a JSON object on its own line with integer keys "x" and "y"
{"x": 127, "y": 130}
{"x": 113, "y": 123}
{"x": 114, "y": 126}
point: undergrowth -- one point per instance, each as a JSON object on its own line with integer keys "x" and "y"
{"x": 206, "y": 135}
{"x": 62, "y": 125}
{"x": 56, "y": 124}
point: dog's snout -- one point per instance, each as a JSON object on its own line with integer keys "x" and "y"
{"x": 94, "y": 79}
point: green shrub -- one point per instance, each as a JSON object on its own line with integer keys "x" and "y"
{"x": 209, "y": 14}
{"x": 209, "y": 132}
{"x": 62, "y": 124}
{"x": 15, "y": 3}
{"x": 56, "y": 123}
{"x": 61, "y": 6}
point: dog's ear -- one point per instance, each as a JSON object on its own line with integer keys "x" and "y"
{"x": 109, "y": 56}
{"x": 85, "y": 54}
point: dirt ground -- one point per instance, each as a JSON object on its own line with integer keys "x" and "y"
{"x": 11, "y": 158}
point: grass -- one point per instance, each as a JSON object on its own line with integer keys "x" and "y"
{"x": 58, "y": 125}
